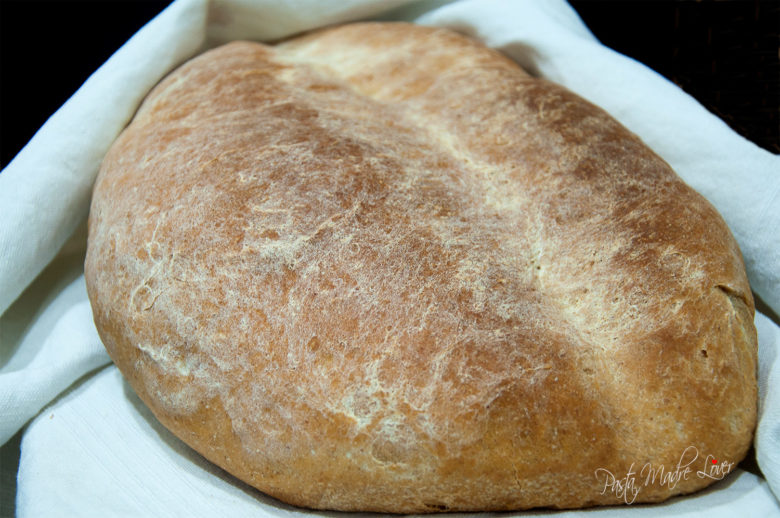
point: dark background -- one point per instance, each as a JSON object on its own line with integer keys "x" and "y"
{"x": 724, "y": 53}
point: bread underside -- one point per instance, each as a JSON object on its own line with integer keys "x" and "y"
{"x": 381, "y": 268}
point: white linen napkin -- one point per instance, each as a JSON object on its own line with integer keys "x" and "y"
{"x": 96, "y": 451}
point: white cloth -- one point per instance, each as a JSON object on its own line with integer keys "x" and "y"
{"x": 117, "y": 459}
{"x": 96, "y": 451}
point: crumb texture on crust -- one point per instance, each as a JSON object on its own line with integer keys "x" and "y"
{"x": 379, "y": 267}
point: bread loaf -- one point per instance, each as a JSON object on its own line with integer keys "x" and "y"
{"x": 381, "y": 268}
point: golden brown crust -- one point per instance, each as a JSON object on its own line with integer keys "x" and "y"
{"x": 379, "y": 267}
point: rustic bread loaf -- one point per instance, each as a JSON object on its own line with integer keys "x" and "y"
{"x": 379, "y": 267}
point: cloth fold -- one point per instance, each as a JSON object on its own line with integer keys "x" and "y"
{"x": 45, "y": 190}
{"x": 95, "y": 438}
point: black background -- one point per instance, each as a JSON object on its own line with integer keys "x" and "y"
{"x": 724, "y": 53}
